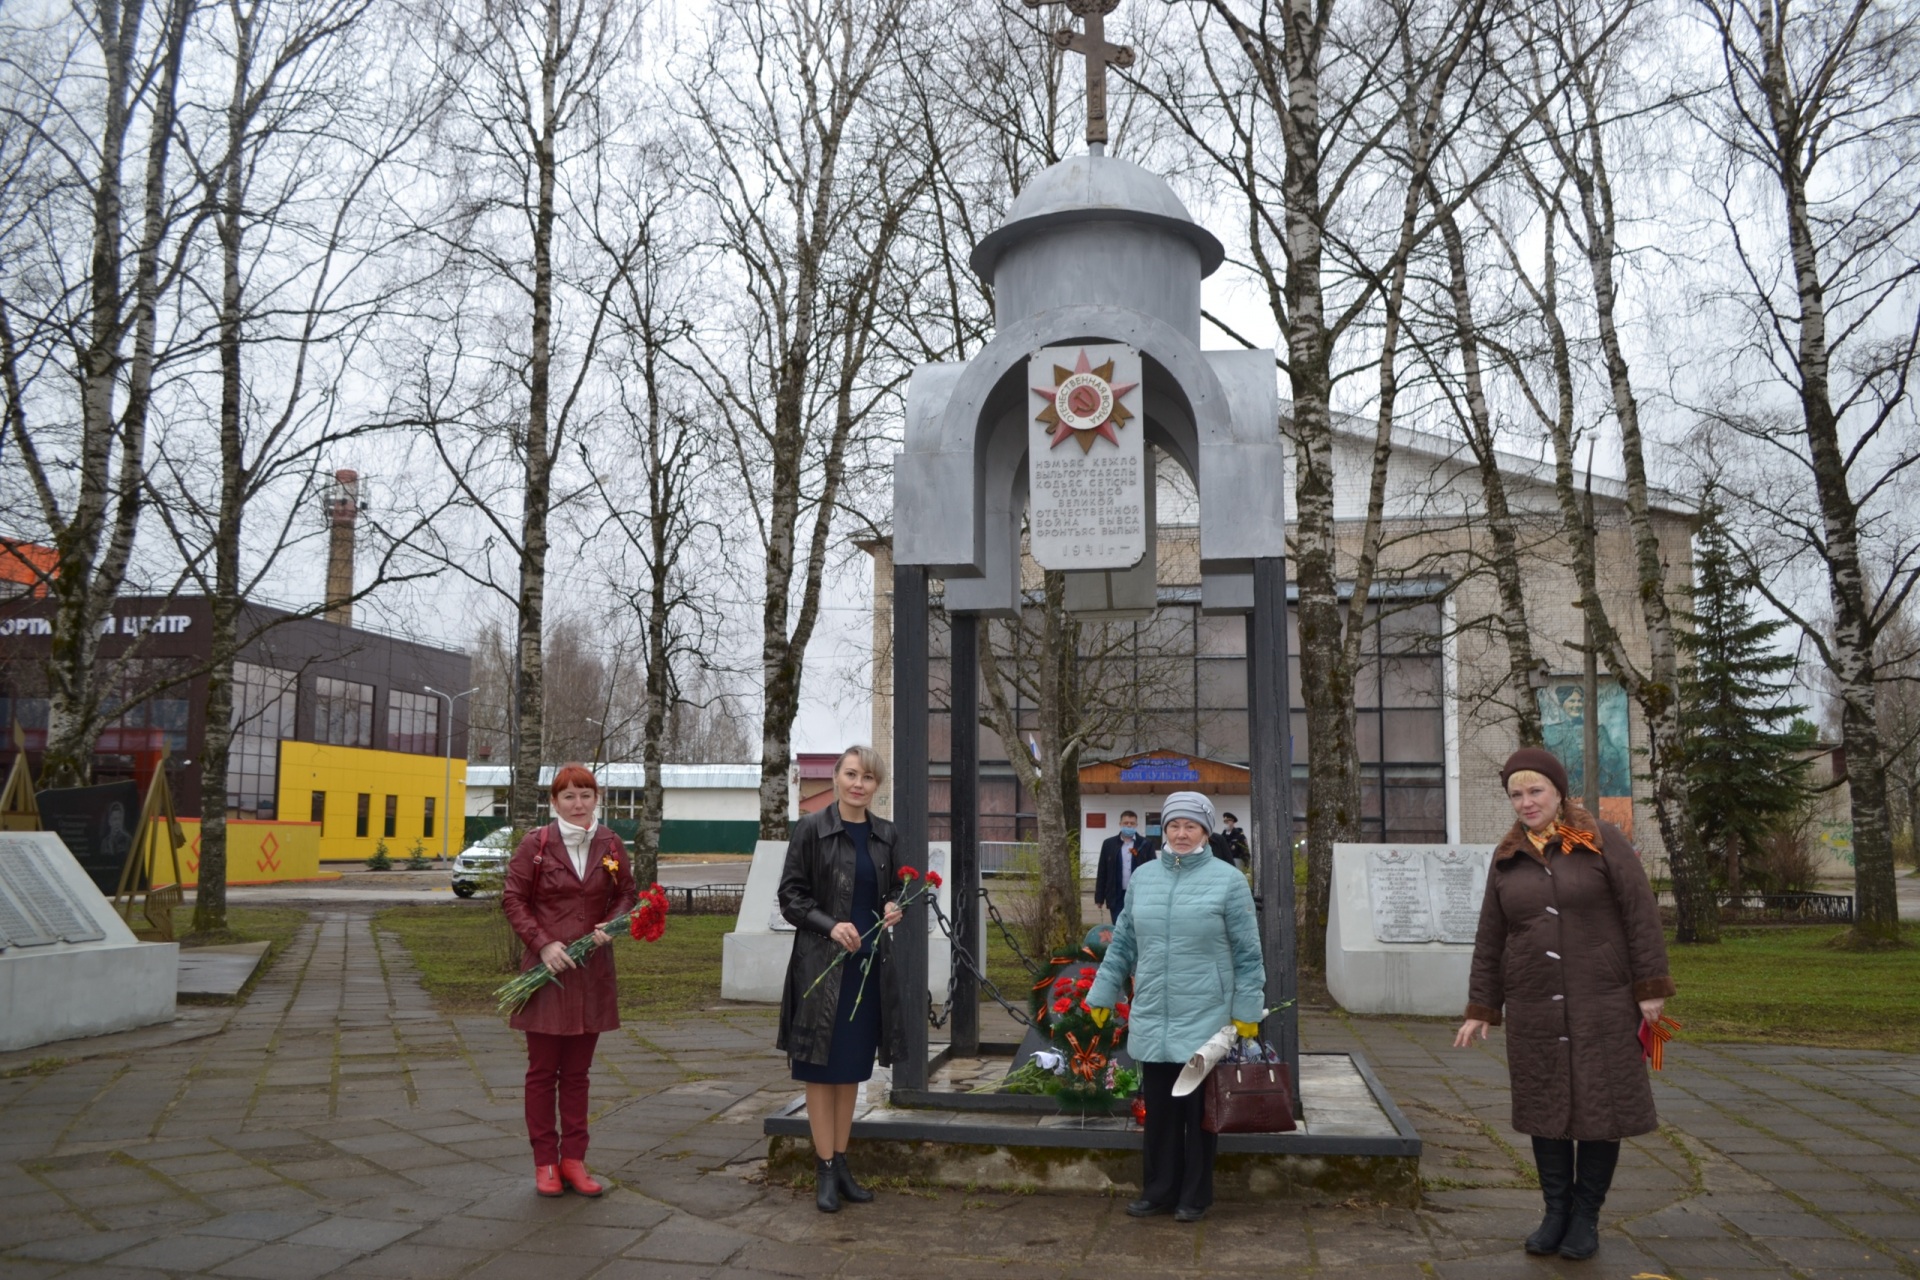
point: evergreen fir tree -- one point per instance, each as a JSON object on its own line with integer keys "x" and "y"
{"x": 1746, "y": 751}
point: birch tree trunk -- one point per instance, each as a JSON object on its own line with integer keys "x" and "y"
{"x": 1820, "y": 106}
{"x": 93, "y": 536}
{"x": 1501, "y": 529}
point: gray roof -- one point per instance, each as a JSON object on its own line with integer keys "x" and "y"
{"x": 675, "y": 777}
{"x": 1089, "y": 188}
{"x": 1432, "y": 444}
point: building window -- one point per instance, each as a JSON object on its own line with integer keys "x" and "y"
{"x": 499, "y": 807}
{"x": 391, "y": 826}
{"x": 362, "y": 809}
{"x": 1178, "y": 682}
{"x": 413, "y": 723}
{"x": 426, "y": 824}
{"x": 263, "y": 713}
{"x": 320, "y": 810}
{"x": 342, "y": 713}
{"x": 620, "y": 802}
{"x": 1399, "y": 723}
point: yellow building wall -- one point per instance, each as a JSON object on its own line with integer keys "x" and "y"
{"x": 347, "y": 773}
{"x": 257, "y": 852}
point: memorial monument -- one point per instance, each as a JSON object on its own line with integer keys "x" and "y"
{"x": 1400, "y": 936}
{"x": 1096, "y": 274}
{"x": 69, "y": 965}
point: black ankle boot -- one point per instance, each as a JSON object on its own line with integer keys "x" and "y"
{"x": 1593, "y": 1177}
{"x": 843, "y": 1178}
{"x": 1554, "y": 1158}
{"x": 826, "y": 1187}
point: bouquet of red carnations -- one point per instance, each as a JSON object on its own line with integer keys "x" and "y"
{"x": 646, "y": 922}
{"x": 913, "y": 888}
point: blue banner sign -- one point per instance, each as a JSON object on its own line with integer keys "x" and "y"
{"x": 1160, "y": 769}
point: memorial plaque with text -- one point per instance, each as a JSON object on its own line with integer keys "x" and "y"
{"x": 1397, "y": 891}
{"x": 1086, "y": 458}
{"x": 36, "y": 892}
{"x": 1456, "y": 881}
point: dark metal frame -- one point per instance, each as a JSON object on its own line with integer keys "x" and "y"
{"x": 1272, "y": 811}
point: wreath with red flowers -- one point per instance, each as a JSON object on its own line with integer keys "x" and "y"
{"x": 1058, "y": 1004}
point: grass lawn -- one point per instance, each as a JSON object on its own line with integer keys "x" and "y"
{"x": 1787, "y": 986}
{"x": 456, "y": 948}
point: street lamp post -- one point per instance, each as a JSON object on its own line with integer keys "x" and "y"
{"x": 446, "y": 818}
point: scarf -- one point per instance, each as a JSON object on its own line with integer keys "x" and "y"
{"x": 1571, "y": 838}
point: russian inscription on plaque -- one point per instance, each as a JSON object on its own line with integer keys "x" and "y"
{"x": 1397, "y": 891}
{"x": 1086, "y": 458}
{"x": 1456, "y": 881}
{"x": 1430, "y": 895}
{"x": 35, "y": 906}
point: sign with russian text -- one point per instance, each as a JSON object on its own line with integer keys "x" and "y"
{"x": 1086, "y": 458}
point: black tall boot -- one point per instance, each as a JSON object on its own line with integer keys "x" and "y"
{"x": 826, "y": 1186}
{"x": 1554, "y": 1157}
{"x": 1593, "y": 1175}
{"x": 843, "y": 1178}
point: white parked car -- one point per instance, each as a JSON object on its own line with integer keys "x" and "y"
{"x": 483, "y": 864}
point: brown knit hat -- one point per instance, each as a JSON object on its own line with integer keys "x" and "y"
{"x": 1536, "y": 760}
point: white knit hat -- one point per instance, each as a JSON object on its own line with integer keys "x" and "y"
{"x": 1192, "y": 806}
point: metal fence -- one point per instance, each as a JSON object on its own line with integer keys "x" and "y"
{"x": 1825, "y": 908}
{"x": 704, "y": 899}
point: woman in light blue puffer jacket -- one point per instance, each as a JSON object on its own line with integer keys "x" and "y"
{"x": 1189, "y": 941}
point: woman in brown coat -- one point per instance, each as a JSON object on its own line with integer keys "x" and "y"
{"x": 566, "y": 880}
{"x": 1570, "y": 948}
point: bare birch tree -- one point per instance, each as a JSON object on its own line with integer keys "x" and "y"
{"x": 805, "y": 156}
{"x": 653, "y": 504}
{"x": 535, "y": 99}
{"x": 1819, "y": 120}
{"x": 81, "y": 288}
{"x": 1361, "y": 98}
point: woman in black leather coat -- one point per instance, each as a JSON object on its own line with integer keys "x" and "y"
{"x": 837, "y": 884}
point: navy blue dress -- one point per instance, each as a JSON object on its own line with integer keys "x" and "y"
{"x": 856, "y": 1033}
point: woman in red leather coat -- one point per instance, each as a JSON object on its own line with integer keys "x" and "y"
{"x": 567, "y": 879}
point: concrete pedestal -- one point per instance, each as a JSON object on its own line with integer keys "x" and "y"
{"x": 1369, "y": 976}
{"x": 60, "y": 990}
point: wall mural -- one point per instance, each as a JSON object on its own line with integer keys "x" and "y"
{"x": 1563, "y": 722}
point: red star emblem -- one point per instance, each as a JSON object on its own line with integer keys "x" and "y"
{"x": 1084, "y": 403}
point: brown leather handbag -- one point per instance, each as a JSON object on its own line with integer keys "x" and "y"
{"x": 1248, "y": 1097}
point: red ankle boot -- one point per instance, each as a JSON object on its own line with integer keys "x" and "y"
{"x": 546, "y": 1179}
{"x": 574, "y": 1174}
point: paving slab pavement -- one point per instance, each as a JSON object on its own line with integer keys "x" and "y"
{"x": 337, "y": 1124}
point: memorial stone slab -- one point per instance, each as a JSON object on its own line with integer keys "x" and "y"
{"x": 1400, "y": 935}
{"x": 69, "y": 965}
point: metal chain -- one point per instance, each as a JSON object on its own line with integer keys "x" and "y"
{"x": 993, "y": 913}
{"x": 962, "y": 955}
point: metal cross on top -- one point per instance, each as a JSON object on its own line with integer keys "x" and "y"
{"x": 1093, "y": 43}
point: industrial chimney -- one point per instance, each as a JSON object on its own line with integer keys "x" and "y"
{"x": 342, "y": 504}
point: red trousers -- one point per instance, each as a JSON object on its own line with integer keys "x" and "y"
{"x": 557, "y": 1071}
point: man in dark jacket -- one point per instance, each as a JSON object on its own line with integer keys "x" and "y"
{"x": 1230, "y": 843}
{"x": 1120, "y": 857}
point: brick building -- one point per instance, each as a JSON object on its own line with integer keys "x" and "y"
{"x": 1435, "y": 716}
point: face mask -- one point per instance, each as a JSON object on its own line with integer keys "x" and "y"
{"x": 1128, "y": 833}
